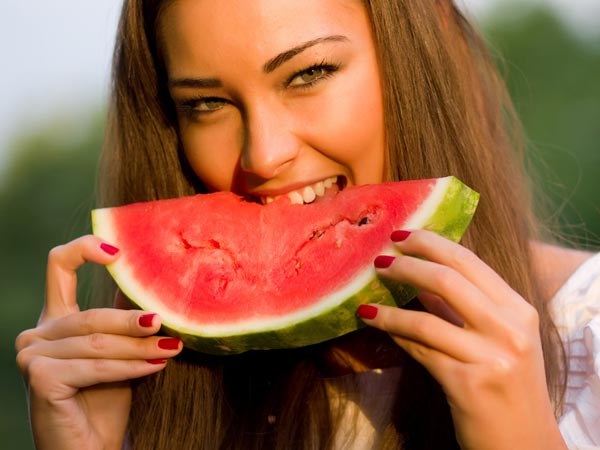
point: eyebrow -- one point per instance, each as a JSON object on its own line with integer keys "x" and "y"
{"x": 268, "y": 67}
{"x": 195, "y": 82}
{"x": 278, "y": 60}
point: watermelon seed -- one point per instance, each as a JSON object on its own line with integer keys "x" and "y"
{"x": 316, "y": 234}
{"x": 363, "y": 221}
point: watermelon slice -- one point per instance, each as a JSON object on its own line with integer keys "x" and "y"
{"x": 227, "y": 275}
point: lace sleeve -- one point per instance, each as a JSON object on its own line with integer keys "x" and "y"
{"x": 576, "y": 309}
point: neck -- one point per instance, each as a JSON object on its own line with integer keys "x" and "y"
{"x": 552, "y": 265}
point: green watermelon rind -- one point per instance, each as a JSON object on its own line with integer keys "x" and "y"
{"x": 447, "y": 211}
{"x": 336, "y": 322}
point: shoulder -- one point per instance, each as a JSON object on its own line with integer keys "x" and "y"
{"x": 553, "y": 265}
{"x": 575, "y": 296}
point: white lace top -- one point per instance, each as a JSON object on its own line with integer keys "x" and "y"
{"x": 577, "y": 314}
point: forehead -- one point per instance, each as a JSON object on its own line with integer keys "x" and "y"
{"x": 250, "y": 29}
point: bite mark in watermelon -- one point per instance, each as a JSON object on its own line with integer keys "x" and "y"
{"x": 228, "y": 276}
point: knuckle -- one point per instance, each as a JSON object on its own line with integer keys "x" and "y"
{"x": 501, "y": 367}
{"x": 24, "y": 339}
{"x": 496, "y": 372}
{"x": 55, "y": 255}
{"x": 89, "y": 320}
{"x": 421, "y": 325}
{"x": 97, "y": 342}
{"x": 23, "y": 360}
{"x": 445, "y": 278}
{"x": 37, "y": 373}
{"x": 463, "y": 257}
{"x": 100, "y": 365}
{"x": 520, "y": 344}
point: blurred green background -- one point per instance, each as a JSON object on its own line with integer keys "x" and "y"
{"x": 46, "y": 192}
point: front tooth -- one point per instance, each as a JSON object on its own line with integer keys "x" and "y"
{"x": 269, "y": 199}
{"x": 320, "y": 188}
{"x": 308, "y": 194}
{"x": 296, "y": 198}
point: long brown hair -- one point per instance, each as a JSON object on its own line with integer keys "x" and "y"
{"x": 446, "y": 112}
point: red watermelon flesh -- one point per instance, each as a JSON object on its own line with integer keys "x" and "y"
{"x": 234, "y": 275}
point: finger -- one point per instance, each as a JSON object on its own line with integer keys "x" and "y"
{"x": 422, "y": 327}
{"x": 438, "y": 249}
{"x": 462, "y": 296}
{"x": 104, "y": 346}
{"x": 75, "y": 374}
{"x": 61, "y": 273}
{"x": 437, "y": 363}
{"x": 133, "y": 323}
{"x": 436, "y": 305}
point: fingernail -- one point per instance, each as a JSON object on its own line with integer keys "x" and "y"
{"x": 109, "y": 249}
{"x": 146, "y": 320}
{"x": 368, "y": 312}
{"x": 156, "y": 361}
{"x": 399, "y": 235}
{"x": 384, "y": 261}
{"x": 169, "y": 343}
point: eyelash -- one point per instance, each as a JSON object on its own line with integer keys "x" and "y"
{"x": 189, "y": 106}
{"x": 329, "y": 68}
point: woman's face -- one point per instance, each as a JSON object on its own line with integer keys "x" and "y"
{"x": 274, "y": 97}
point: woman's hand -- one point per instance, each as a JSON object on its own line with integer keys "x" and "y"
{"x": 479, "y": 339}
{"x": 77, "y": 364}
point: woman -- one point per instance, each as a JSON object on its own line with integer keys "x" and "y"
{"x": 265, "y": 98}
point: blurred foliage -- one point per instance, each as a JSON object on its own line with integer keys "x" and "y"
{"x": 46, "y": 196}
{"x": 554, "y": 79}
{"x": 45, "y": 200}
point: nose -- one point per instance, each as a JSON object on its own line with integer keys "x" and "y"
{"x": 270, "y": 143}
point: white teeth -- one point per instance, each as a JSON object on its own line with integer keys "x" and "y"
{"x": 329, "y": 182}
{"x": 307, "y": 194}
{"x": 296, "y": 198}
{"x": 320, "y": 188}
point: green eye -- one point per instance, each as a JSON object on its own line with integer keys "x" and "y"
{"x": 312, "y": 75}
{"x": 210, "y": 104}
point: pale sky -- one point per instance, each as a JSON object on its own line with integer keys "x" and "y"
{"x": 56, "y": 56}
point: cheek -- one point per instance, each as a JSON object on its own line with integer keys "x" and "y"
{"x": 351, "y": 121}
{"x": 212, "y": 155}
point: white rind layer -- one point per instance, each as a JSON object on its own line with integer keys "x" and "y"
{"x": 126, "y": 280}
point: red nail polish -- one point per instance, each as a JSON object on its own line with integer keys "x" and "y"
{"x": 146, "y": 320}
{"x": 368, "y": 312}
{"x": 156, "y": 361}
{"x": 169, "y": 343}
{"x": 109, "y": 249}
{"x": 384, "y": 261}
{"x": 399, "y": 235}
